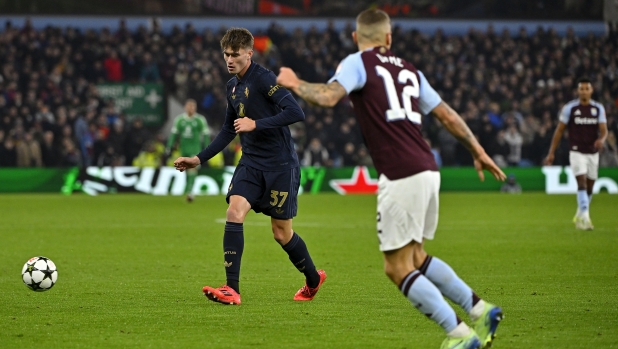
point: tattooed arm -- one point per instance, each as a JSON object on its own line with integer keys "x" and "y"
{"x": 458, "y": 128}
{"x": 325, "y": 95}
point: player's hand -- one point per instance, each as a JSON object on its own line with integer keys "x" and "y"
{"x": 244, "y": 125}
{"x": 598, "y": 144}
{"x": 183, "y": 163}
{"x": 287, "y": 78}
{"x": 549, "y": 160}
{"x": 484, "y": 162}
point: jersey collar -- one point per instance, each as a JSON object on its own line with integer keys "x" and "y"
{"x": 247, "y": 73}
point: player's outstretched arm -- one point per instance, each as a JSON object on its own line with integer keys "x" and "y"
{"x": 184, "y": 163}
{"x": 324, "y": 95}
{"x": 458, "y": 128}
{"x": 549, "y": 160}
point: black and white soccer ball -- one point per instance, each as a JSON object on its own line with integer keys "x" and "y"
{"x": 39, "y": 274}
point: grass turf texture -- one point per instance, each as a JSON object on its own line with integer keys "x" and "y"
{"x": 131, "y": 269}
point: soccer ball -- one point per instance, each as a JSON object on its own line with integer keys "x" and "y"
{"x": 39, "y": 274}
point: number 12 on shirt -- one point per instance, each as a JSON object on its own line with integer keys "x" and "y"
{"x": 412, "y": 90}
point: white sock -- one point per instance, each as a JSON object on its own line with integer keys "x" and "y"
{"x": 477, "y": 310}
{"x": 461, "y": 330}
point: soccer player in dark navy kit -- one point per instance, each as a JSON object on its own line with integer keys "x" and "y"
{"x": 587, "y": 124}
{"x": 267, "y": 177}
{"x": 389, "y": 95}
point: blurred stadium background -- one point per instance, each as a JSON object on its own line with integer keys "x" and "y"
{"x": 98, "y": 83}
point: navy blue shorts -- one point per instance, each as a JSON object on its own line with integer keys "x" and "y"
{"x": 273, "y": 193}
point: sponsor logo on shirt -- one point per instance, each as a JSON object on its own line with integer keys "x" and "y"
{"x": 273, "y": 89}
{"x": 586, "y": 121}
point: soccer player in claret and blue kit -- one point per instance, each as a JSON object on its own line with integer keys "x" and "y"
{"x": 389, "y": 96}
{"x": 267, "y": 177}
{"x": 586, "y": 122}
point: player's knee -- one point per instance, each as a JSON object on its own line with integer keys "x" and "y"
{"x": 391, "y": 271}
{"x": 281, "y": 235}
{"x": 234, "y": 214}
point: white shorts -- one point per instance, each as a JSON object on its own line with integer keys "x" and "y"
{"x": 407, "y": 209}
{"x": 584, "y": 164}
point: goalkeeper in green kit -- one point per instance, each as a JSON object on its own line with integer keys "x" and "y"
{"x": 193, "y": 135}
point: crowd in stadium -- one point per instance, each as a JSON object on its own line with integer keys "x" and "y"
{"x": 508, "y": 87}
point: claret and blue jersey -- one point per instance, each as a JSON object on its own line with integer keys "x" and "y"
{"x": 389, "y": 95}
{"x": 256, "y": 95}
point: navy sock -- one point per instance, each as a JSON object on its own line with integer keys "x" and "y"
{"x": 233, "y": 245}
{"x": 299, "y": 256}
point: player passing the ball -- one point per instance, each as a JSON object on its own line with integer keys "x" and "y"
{"x": 389, "y": 95}
{"x": 586, "y": 122}
{"x": 267, "y": 177}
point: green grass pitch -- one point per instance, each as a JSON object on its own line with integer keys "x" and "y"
{"x": 131, "y": 269}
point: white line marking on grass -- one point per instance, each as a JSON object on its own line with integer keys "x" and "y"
{"x": 299, "y": 224}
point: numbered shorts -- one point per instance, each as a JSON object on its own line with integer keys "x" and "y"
{"x": 584, "y": 164}
{"x": 273, "y": 193}
{"x": 407, "y": 209}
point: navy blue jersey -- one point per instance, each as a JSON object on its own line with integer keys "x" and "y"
{"x": 256, "y": 95}
{"x": 270, "y": 146}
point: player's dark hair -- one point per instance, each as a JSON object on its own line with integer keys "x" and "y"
{"x": 191, "y": 100}
{"x": 237, "y": 38}
{"x": 372, "y": 16}
{"x": 584, "y": 81}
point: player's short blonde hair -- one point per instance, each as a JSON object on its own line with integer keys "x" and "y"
{"x": 372, "y": 26}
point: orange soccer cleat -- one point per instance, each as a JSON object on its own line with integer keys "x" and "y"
{"x": 224, "y": 294}
{"x": 307, "y": 293}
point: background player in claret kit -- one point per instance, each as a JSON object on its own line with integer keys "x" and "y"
{"x": 267, "y": 177}
{"x": 587, "y": 125}
{"x": 378, "y": 82}
{"x": 192, "y": 130}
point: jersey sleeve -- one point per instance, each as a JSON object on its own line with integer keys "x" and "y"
{"x": 602, "y": 115}
{"x": 565, "y": 114}
{"x": 428, "y": 98}
{"x": 351, "y": 73}
{"x": 270, "y": 88}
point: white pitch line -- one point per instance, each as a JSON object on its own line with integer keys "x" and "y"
{"x": 299, "y": 224}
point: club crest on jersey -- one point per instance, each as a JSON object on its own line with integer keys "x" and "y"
{"x": 593, "y": 111}
{"x": 246, "y": 92}
{"x": 241, "y": 110}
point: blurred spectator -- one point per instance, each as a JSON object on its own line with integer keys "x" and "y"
{"x": 113, "y": 67}
{"x": 134, "y": 141}
{"x": 315, "y": 155}
{"x": 149, "y": 71}
{"x": 50, "y": 153}
{"x": 148, "y": 157}
{"x": 28, "y": 152}
{"x": 513, "y": 138}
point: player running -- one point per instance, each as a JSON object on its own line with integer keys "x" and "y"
{"x": 378, "y": 83}
{"x": 587, "y": 125}
{"x": 267, "y": 177}
{"x": 194, "y": 135}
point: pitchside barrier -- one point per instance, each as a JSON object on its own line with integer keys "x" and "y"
{"x": 349, "y": 180}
